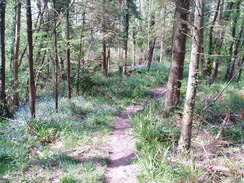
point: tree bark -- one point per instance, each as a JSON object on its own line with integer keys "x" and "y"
{"x": 104, "y": 60}
{"x": 218, "y": 45}
{"x": 32, "y": 92}
{"x": 81, "y": 53}
{"x": 16, "y": 51}
{"x": 3, "y": 101}
{"x": 108, "y": 58}
{"x": 235, "y": 52}
{"x": 134, "y": 49}
{"x": 178, "y": 55}
{"x": 186, "y": 130}
{"x": 125, "y": 23}
{"x": 162, "y": 46}
{"x": 207, "y": 65}
{"x": 151, "y": 37}
{"x": 56, "y": 53}
{"x": 229, "y": 74}
{"x": 68, "y": 50}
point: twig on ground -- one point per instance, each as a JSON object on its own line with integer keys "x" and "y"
{"x": 227, "y": 117}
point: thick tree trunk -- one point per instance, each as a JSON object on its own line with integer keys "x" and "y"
{"x": 178, "y": 55}
{"x": 186, "y": 131}
{"x": 16, "y": 51}
{"x": 68, "y": 51}
{"x": 32, "y": 92}
{"x": 3, "y": 101}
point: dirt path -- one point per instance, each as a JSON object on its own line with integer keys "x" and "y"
{"x": 120, "y": 168}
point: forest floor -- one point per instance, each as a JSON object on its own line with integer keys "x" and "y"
{"x": 121, "y": 165}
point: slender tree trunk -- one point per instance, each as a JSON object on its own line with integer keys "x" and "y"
{"x": 163, "y": 36}
{"x": 104, "y": 60}
{"x": 235, "y": 52}
{"x": 218, "y": 45}
{"x": 228, "y": 74}
{"x": 81, "y": 53}
{"x": 240, "y": 71}
{"x": 3, "y": 101}
{"x": 207, "y": 66}
{"x": 186, "y": 130}
{"x": 134, "y": 49}
{"x": 16, "y": 51}
{"x": 32, "y": 92}
{"x": 178, "y": 55}
{"x": 151, "y": 37}
{"x": 56, "y": 53}
{"x": 68, "y": 50}
{"x": 126, "y": 18}
{"x": 108, "y": 58}
{"x": 151, "y": 45}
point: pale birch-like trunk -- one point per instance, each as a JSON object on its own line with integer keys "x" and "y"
{"x": 186, "y": 131}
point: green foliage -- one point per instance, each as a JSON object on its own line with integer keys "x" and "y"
{"x": 156, "y": 141}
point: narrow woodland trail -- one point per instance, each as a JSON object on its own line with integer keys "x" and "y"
{"x": 121, "y": 146}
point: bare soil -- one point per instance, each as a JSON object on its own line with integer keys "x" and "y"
{"x": 121, "y": 167}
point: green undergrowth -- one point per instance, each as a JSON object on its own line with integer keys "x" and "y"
{"x": 156, "y": 142}
{"x": 51, "y": 142}
{"x": 157, "y": 137}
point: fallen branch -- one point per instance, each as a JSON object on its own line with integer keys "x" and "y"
{"x": 211, "y": 168}
{"x": 223, "y": 169}
{"x": 227, "y": 117}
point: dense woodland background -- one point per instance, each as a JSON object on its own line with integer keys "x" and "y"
{"x": 102, "y": 55}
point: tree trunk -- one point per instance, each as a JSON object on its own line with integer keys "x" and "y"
{"x": 178, "y": 55}
{"x": 126, "y": 18}
{"x": 207, "y": 66}
{"x": 3, "y": 101}
{"x": 104, "y": 60}
{"x": 32, "y": 91}
{"x": 108, "y": 58}
{"x": 81, "y": 53}
{"x": 56, "y": 53}
{"x": 16, "y": 51}
{"x": 240, "y": 66}
{"x": 186, "y": 131}
{"x": 151, "y": 37}
{"x": 134, "y": 49}
{"x": 235, "y": 52}
{"x": 162, "y": 49}
{"x": 68, "y": 51}
{"x": 218, "y": 45}
{"x": 228, "y": 74}
{"x": 151, "y": 45}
